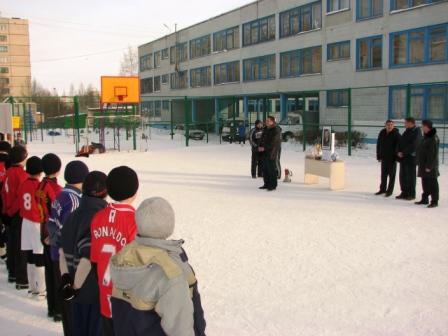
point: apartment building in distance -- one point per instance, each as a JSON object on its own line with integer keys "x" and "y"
{"x": 15, "y": 66}
{"x": 302, "y": 57}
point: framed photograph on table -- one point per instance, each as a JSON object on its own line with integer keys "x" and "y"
{"x": 326, "y": 138}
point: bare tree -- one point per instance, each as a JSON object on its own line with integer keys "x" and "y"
{"x": 129, "y": 62}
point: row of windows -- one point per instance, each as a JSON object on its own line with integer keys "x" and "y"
{"x": 294, "y": 21}
{"x": 3, "y": 48}
{"x": 419, "y": 46}
{"x": 4, "y": 81}
{"x": 155, "y": 108}
{"x": 3, "y": 38}
{"x": 4, "y": 70}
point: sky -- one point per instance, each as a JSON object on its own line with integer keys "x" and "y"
{"x": 74, "y": 42}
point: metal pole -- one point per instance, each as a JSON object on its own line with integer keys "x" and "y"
{"x": 349, "y": 135}
{"x": 187, "y": 121}
{"x": 304, "y": 122}
{"x": 76, "y": 110}
{"x": 25, "y": 124}
{"x": 134, "y": 133}
{"x": 408, "y": 100}
{"x": 171, "y": 121}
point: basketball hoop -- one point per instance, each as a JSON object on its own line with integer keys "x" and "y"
{"x": 121, "y": 92}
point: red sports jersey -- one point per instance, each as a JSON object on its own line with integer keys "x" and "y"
{"x": 46, "y": 193}
{"x": 2, "y": 172}
{"x": 27, "y": 200}
{"x": 15, "y": 176}
{"x": 111, "y": 229}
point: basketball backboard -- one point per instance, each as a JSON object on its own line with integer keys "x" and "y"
{"x": 120, "y": 90}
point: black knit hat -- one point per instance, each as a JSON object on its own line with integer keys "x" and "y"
{"x": 75, "y": 172}
{"x": 18, "y": 154}
{"x": 5, "y": 146}
{"x": 258, "y": 121}
{"x": 428, "y": 123}
{"x": 122, "y": 183}
{"x": 51, "y": 164}
{"x": 95, "y": 184}
{"x": 34, "y": 165}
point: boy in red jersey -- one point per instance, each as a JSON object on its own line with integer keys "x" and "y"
{"x": 30, "y": 237}
{"x": 15, "y": 176}
{"x": 46, "y": 193}
{"x": 111, "y": 229}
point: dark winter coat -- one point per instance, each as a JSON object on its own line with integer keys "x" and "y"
{"x": 271, "y": 141}
{"x": 75, "y": 241}
{"x": 255, "y": 138}
{"x": 428, "y": 155}
{"x": 387, "y": 145}
{"x": 409, "y": 141}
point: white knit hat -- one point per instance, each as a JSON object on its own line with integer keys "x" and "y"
{"x": 155, "y": 218}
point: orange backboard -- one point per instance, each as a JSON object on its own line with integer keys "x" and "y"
{"x": 120, "y": 90}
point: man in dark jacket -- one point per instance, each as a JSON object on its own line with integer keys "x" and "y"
{"x": 428, "y": 164}
{"x": 271, "y": 142}
{"x": 155, "y": 289}
{"x": 407, "y": 153}
{"x": 255, "y": 139}
{"x": 386, "y": 153}
{"x": 80, "y": 282}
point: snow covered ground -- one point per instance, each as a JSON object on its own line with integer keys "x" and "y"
{"x": 298, "y": 261}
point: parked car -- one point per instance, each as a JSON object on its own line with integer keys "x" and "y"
{"x": 291, "y": 126}
{"x": 194, "y": 134}
{"x": 230, "y": 129}
{"x": 54, "y": 133}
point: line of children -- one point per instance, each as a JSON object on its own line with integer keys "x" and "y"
{"x": 75, "y": 234}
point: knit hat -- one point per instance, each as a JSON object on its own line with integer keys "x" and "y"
{"x": 18, "y": 154}
{"x": 427, "y": 123}
{"x": 95, "y": 184}
{"x": 51, "y": 164}
{"x": 155, "y": 218}
{"x": 122, "y": 183}
{"x": 75, "y": 172}
{"x": 5, "y": 146}
{"x": 34, "y": 165}
{"x": 258, "y": 122}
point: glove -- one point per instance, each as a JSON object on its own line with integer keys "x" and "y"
{"x": 66, "y": 291}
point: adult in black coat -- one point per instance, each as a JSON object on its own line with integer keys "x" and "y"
{"x": 255, "y": 139}
{"x": 428, "y": 164}
{"x": 407, "y": 155}
{"x": 270, "y": 146}
{"x": 386, "y": 153}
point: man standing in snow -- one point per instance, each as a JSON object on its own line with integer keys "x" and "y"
{"x": 386, "y": 153}
{"x": 407, "y": 149}
{"x": 428, "y": 164}
{"x": 270, "y": 147}
{"x": 255, "y": 139}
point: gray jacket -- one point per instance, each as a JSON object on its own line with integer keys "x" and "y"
{"x": 151, "y": 276}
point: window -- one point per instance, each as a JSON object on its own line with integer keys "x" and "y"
{"x": 337, "y": 98}
{"x": 157, "y": 84}
{"x": 4, "y": 60}
{"x": 338, "y": 51}
{"x": 405, "y": 4}
{"x": 165, "y": 79}
{"x": 4, "y": 91}
{"x": 157, "y": 109}
{"x": 166, "y": 106}
{"x": 201, "y": 77}
{"x": 226, "y": 39}
{"x": 3, "y": 27}
{"x": 179, "y": 80}
{"x": 146, "y": 85}
{"x": 146, "y": 62}
{"x": 3, "y": 38}
{"x": 3, "y": 48}
{"x": 426, "y": 45}
{"x": 300, "y": 62}
{"x": 165, "y": 53}
{"x": 179, "y": 53}
{"x": 258, "y": 31}
{"x": 147, "y": 108}
{"x": 368, "y": 9}
{"x": 337, "y": 5}
{"x": 227, "y": 72}
{"x": 157, "y": 58}
{"x": 369, "y": 53}
{"x": 259, "y": 68}
{"x": 4, "y": 70}
{"x": 427, "y": 101}
{"x": 200, "y": 47}
{"x": 301, "y": 19}
{"x": 4, "y": 81}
